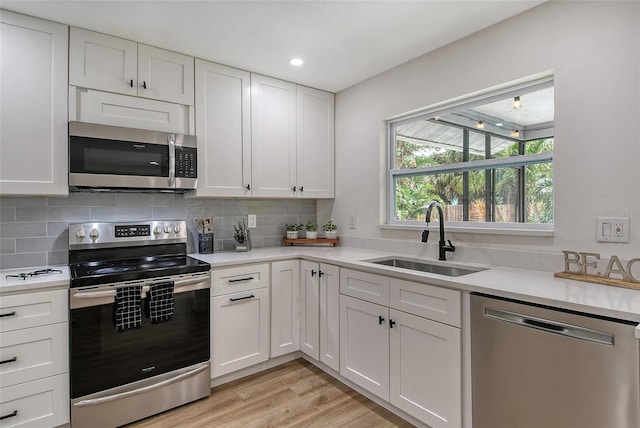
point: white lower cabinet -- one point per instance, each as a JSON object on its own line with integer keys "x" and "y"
{"x": 285, "y": 307}
{"x": 413, "y": 362}
{"x": 425, "y": 369}
{"x": 34, "y": 351}
{"x": 319, "y": 312}
{"x": 364, "y": 345}
{"x": 41, "y": 403}
{"x": 240, "y": 317}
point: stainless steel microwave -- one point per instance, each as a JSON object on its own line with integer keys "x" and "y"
{"x": 113, "y": 157}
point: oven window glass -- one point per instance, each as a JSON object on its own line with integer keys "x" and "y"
{"x": 98, "y": 156}
{"x": 102, "y": 358}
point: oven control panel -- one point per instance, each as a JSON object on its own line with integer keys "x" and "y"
{"x": 128, "y": 231}
{"x": 93, "y": 235}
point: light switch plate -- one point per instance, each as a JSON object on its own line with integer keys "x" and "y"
{"x": 251, "y": 220}
{"x": 612, "y": 229}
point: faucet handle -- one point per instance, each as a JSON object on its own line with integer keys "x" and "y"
{"x": 450, "y": 247}
{"x": 425, "y": 235}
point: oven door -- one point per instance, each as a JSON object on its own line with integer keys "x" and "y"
{"x": 102, "y": 358}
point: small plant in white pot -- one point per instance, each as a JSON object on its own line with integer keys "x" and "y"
{"x": 330, "y": 230}
{"x": 292, "y": 230}
{"x": 312, "y": 229}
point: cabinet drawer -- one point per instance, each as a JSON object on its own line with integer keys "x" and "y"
{"x": 40, "y": 403}
{"x": 436, "y": 303}
{"x": 365, "y": 286}
{"x": 33, "y": 309}
{"x": 33, "y": 353}
{"x": 241, "y": 278}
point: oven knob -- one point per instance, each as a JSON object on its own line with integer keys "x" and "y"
{"x": 94, "y": 234}
{"x": 80, "y": 233}
{"x": 157, "y": 230}
{"x": 176, "y": 229}
{"x": 167, "y": 229}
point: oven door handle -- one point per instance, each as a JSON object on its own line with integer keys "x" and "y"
{"x": 94, "y": 294}
{"x": 119, "y": 396}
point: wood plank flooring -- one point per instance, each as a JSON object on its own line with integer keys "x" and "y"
{"x": 295, "y": 394}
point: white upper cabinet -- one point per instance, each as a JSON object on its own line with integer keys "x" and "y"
{"x": 103, "y": 62}
{"x": 111, "y": 64}
{"x": 33, "y": 106}
{"x": 293, "y": 140}
{"x": 165, "y": 75}
{"x": 315, "y": 143}
{"x": 223, "y": 127}
{"x": 273, "y": 133}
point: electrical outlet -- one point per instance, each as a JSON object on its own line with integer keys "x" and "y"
{"x": 251, "y": 221}
{"x": 612, "y": 229}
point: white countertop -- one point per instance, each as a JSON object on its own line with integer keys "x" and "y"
{"x": 34, "y": 283}
{"x": 522, "y": 284}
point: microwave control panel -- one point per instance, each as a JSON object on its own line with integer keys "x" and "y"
{"x": 186, "y": 162}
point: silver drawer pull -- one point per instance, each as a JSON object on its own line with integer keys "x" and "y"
{"x": 10, "y": 415}
{"x": 235, "y": 299}
{"x": 8, "y": 314}
{"x": 241, "y": 279}
{"x": 10, "y": 360}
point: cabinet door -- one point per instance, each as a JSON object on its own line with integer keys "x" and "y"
{"x": 285, "y": 306}
{"x": 315, "y": 143}
{"x": 33, "y": 106}
{"x": 223, "y": 127}
{"x": 239, "y": 330}
{"x": 310, "y": 309}
{"x": 103, "y": 62}
{"x": 164, "y": 75}
{"x": 330, "y": 315}
{"x": 364, "y": 345}
{"x": 425, "y": 367}
{"x": 273, "y": 133}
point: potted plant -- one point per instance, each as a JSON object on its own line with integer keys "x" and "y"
{"x": 330, "y": 230}
{"x": 312, "y": 229}
{"x": 292, "y": 230}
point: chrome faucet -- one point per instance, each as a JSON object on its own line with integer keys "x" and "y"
{"x": 442, "y": 246}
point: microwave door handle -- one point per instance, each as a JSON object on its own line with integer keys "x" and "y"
{"x": 172, "y": 159}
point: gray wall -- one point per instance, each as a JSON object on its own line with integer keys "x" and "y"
{"x": 34, "y": 230}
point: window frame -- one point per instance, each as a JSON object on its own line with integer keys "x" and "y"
{"x": 519, "y": 161}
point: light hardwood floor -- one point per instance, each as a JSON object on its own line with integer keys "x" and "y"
{"x": 295, "y": 394}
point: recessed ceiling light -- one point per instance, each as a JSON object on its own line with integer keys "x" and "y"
{"x": 296, "y": 61}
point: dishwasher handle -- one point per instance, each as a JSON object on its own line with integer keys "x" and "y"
{"x": 550, "y": 326}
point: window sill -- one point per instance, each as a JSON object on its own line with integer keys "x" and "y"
{"x": 495, "y": 229}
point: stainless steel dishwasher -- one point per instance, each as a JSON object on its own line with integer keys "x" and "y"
{"x": 542, "y": 367}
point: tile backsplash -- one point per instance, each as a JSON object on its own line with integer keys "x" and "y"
{"x": 34, "y": 230}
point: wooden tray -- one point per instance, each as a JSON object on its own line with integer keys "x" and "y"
{"x": 318, "y": 241}
{"x": 597, "y": 280}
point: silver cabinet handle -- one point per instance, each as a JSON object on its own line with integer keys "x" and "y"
{"x": 550, "y": 326}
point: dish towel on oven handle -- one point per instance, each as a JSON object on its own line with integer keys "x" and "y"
{"x": 127, "y": 308}
{"x": 160, "y": 302}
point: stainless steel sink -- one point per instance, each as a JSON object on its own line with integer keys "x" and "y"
{"x": 437, "y": 268}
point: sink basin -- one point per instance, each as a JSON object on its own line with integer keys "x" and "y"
{"x": 422, "y": 266}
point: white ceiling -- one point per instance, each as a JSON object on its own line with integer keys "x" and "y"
{"x": 342, "y": 42}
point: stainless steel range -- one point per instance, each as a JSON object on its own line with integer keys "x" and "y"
{"x": 140, "y": 326}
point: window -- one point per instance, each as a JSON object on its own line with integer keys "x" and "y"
{"x": 488, "y": 160}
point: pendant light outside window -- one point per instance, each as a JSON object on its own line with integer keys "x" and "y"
{"x": 516, "y": 103}
{"x": 480, "y": 125}
{"x": 515, "y": 133}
